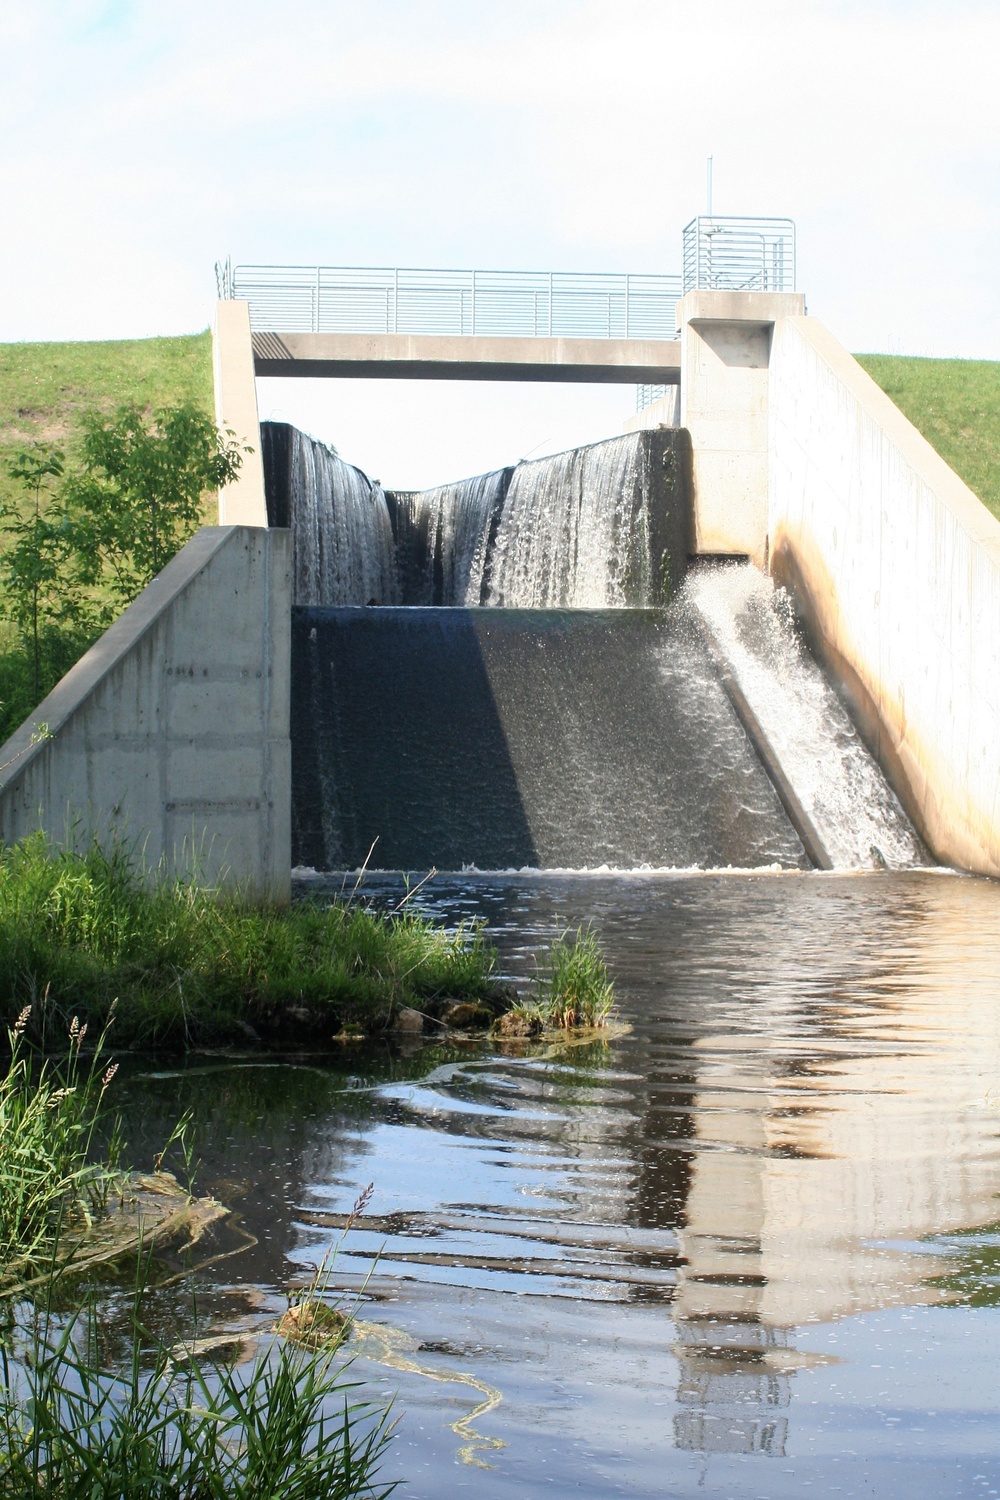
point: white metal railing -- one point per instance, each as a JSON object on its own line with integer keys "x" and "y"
{"x": 745, "y": 255}
{"x": 555, "y": 304}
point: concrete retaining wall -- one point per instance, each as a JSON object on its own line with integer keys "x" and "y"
{"x": 896, "y": 566}
{"x": 242, "y": 502}
{"x": 172, "y": 732}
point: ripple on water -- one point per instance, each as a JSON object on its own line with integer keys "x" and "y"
{"x": 749, "y": 1244}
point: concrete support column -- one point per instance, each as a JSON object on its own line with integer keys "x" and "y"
{"x": 725, "y": 354}
{"x": 241, "y": 503}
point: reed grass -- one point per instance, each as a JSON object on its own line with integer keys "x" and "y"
{"x": 49, "y": 1181}
{"x": 291, "y": 1423}
{"x": 152, "y": 1421}
{"x": 575, "y": 988}
{"x": 80, "y": 933}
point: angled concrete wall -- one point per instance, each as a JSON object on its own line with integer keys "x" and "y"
{"x": 172, "y": 731}
{"x": 665, "y": 411}
{"x": 896, "y": 566}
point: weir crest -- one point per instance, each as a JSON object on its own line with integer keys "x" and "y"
{"x": 543, "y": 684}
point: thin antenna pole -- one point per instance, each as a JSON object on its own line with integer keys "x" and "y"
{"x": 709, "y": 187}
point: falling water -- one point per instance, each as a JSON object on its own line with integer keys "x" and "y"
{"x": 610, "y": 741}
{"x": 575, "y": 532}
{"x": 444, "y": 538}
{"x": 342, "y": 542}
{"x": 599, "y": 527}
{"x": 837, "y": 781}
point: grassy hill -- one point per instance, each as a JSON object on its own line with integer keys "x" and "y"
{"x": 45, "y": 387}
{"x": 955, "y": 403}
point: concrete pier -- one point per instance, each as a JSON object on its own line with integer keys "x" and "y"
{"x": 241, "y": 503}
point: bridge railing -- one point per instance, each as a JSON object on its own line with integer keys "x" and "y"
{"x": 739, "y": 255}
{"x": 550, "y": 304}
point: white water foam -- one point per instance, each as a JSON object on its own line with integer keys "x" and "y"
{"x": 836, "y": 779}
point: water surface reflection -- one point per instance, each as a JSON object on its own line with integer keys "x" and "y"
{"x": 744, "y": 1244}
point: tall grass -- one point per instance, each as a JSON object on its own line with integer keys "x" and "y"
{"x": 157, "y": 1422}
{"x": 79, "y": 932}
{"x": 289, "y": 1425}
{"x": 575, "y": 988}
{"x": 161, "y": 1422}
{"x": 48, "y": 1179}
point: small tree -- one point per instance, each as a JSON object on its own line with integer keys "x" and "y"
{"x": 137, "y": 497}
{"x": 89, "y": 539}
{"x": 32, "y": 566}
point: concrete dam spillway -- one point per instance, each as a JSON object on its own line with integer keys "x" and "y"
{"x": 518, "y": 670}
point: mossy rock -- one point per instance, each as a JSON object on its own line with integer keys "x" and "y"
{"x": 519, "y": 1023}
{"x": 467, "y": 1016}
{"x": 314, "y": 1324}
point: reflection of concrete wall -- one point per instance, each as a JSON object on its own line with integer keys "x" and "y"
{"x": 242, "y": 502}
{"x": 800, "y": 1173}
{"x": 896, "y": 565}
{"x": 172, "y": 731}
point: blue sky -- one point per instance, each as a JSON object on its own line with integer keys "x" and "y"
{"x": 142, "y": 141}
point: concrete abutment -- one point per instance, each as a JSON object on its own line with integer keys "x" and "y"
{"x": 170, "y": 736}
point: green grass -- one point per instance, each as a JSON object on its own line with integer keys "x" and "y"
{"x": 45, "y": 388}
{"x": 159, "y": 1426}
{"x": 48, "y": 1179}
{"x": 955, "y": 403}
{"x": 80, "y": 933}
{"x": 574, "y": 988}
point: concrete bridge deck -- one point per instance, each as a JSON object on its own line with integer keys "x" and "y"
{"x": 394, "y": 356}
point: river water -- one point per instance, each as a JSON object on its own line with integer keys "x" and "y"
{"x": 745, "y": 1245}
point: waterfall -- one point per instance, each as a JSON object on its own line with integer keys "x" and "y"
{"x": 605, "y": 526}
{"x": 444, "y": 538}
{"x": 504, "y": 738}
{"x": 342, "y": 542}
{"x": 839, "y": 784}
{"x": 575, "y": 532}
{"x": 574, "y": 721}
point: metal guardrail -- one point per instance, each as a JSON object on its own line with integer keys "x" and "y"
{"x": 553, "y": 304}
{"x": 719, "y": 254}
{"x": 739, "y": 255}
